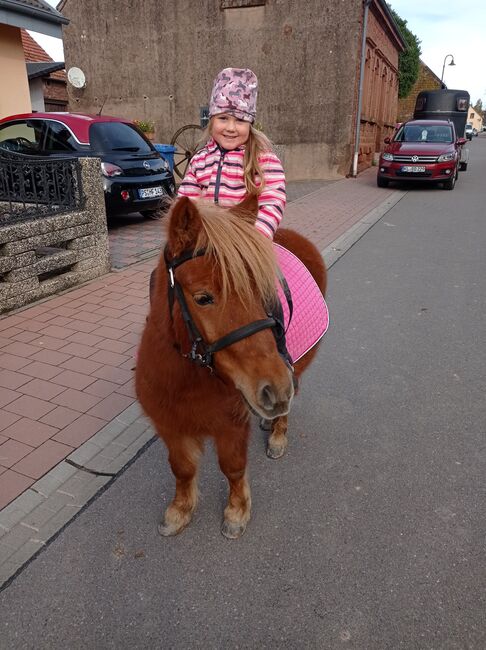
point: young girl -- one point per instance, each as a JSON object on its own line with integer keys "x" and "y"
{"x": 237, "y": 159}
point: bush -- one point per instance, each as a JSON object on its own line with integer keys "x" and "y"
{"x": 409, "y": 60}
{"x": 146, "y": 126}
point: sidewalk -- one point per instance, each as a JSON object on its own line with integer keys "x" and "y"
{"x": 68, "y": 417}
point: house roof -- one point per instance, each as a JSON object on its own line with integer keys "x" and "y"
{"x": 34, "y": 53}
{"x": 389, "y": 23}
{"x": 43, "y": 68}
{"x": 36, "y": 15}
{"x": 432, "y": 73}
{"x": 32, "y": 50}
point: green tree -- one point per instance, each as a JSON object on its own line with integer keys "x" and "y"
{"x": 409, "y": 60}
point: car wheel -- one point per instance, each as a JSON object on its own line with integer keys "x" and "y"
{"x": 451, "y": 183}
{"x": 382, "y": 182}
{"x": 463, "y": 166}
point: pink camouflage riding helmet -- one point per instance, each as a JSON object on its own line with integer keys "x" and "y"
{"x": 235, "y": 92}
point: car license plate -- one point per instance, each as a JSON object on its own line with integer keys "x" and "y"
{"x": 151, "y": 192}
{"x": 413, "y": 168}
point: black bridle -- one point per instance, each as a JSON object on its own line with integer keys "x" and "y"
{"x": 202, "y": 352}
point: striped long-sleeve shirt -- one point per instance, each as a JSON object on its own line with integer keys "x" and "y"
{"x": 217, "y": 175}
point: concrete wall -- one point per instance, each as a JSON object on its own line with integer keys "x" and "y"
{"x": 36, "y": 87}
{"x": 161, "y": 67}
{"x": 14, "y": 85}
{"x": 41, "y": 257}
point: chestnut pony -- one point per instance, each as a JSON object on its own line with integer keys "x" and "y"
{"x": 213, "y": 285}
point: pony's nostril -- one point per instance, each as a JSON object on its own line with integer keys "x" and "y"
{"x": 267, "y": 397}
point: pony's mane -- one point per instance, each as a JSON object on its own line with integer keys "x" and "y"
{"x": 245, "y": 258}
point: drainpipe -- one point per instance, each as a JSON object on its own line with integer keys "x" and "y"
{"x": 360, "y": 89}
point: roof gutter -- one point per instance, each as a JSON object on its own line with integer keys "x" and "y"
{"x": 49, "y": 16}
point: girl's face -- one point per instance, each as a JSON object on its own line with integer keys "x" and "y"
{"x": 229, "y": 132}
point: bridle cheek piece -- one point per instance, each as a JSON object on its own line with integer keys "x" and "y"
{"x": 202, "y": 352}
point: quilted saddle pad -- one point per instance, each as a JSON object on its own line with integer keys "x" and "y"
{"x": 310, "y": 318}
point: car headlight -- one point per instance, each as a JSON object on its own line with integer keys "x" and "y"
{"x": 387, "y": 156}
{"x": 446, "y": 157}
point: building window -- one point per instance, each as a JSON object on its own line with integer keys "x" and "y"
{"x": 235, "y": 4}
{"x": 471, "y": 117}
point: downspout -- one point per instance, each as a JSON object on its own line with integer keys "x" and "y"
{"x": 360, "y": 89}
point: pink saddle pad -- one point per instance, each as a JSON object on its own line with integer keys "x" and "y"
{"x": 310, "y": 318}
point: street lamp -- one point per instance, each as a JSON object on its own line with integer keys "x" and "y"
{"x": 443, "y": 67}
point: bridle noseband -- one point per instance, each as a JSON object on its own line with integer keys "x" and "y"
{"x": 202, "y": 352}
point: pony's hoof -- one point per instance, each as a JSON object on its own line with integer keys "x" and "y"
{"x": 276, "y": 451}
{"x": 265, "y": 425}
{"x": 232, "y": 530}
{"x": 169, "y": 530}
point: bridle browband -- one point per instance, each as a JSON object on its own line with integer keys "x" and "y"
{"x": 202, "y": 352}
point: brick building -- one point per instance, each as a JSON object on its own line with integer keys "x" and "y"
{"x": 47, "y": 78}
{"x": 305, "y": 54}
{"x": 426, "y": 80}
{"x": 380, "y": 86}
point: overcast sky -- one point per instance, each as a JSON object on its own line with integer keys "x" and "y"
{"x": 443, "y": 27}
{"x": 457, "y": 28}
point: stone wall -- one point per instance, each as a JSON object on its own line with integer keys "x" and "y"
{"x": 43, "y": 256}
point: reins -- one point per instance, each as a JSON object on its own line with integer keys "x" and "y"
{"x": 202, "y": 352}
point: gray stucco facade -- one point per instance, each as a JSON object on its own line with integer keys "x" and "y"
{"x": 159, "y": 61}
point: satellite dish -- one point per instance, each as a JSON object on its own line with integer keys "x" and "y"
{"x": 76, "y": 77}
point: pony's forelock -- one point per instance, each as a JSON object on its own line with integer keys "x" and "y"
{"x": 244, "y": 257}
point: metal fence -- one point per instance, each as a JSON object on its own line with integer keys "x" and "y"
{"x": 32, "y": 187}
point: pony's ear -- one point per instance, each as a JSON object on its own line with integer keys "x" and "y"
{"x": 184, "y": 226}
{"x": 247, "y": 209}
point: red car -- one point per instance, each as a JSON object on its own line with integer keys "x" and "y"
{"x": 422, "y": 150}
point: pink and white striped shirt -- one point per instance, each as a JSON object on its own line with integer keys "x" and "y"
{"x": 216, "y": 174}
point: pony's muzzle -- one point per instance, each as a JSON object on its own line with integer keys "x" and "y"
{"x": 273, "y": 400}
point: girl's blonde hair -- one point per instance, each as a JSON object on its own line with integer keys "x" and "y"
{"x": 255, "y": 146}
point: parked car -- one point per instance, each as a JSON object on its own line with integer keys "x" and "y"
{"x": 469, "y": 132}
{"x": 422, "y": 150}
{"x": 136, "y": 178}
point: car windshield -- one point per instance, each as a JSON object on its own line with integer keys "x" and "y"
{"x": 106, "y": 137}
{"x": 424, "y": 133}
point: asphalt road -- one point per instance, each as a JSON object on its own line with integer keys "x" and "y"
{"x": 369, "y": 534}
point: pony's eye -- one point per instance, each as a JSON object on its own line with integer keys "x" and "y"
{"x": 204, "y": 299}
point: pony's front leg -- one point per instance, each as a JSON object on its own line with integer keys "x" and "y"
{"x": 184, "y": 454}
{"x": 277, "y": 441}
{"x": 232, "y": 448}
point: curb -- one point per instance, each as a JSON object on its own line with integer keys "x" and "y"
{"x": 29, "y": 522}
{"x": 342, "y": 244}
{"x": 34, "y": 518}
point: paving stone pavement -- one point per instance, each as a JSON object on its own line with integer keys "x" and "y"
{"x": 68, "y": 416}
